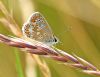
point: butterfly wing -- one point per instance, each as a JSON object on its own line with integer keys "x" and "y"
{"x": 38, "y": 29}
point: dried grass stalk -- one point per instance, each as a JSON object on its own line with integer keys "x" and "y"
{"x": 56, "y": 54}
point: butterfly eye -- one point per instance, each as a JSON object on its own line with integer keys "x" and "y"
{"x": 55, "y": 40}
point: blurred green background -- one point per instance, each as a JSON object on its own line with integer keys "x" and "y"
{"x": 75, "y": 22}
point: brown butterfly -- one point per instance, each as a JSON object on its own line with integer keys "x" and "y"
{"x": 38, "y": 29}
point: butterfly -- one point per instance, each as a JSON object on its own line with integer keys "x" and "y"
{"x": 38, "y": 29}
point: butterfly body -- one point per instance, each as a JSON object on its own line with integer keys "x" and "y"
{"x": 38, "y": 29}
